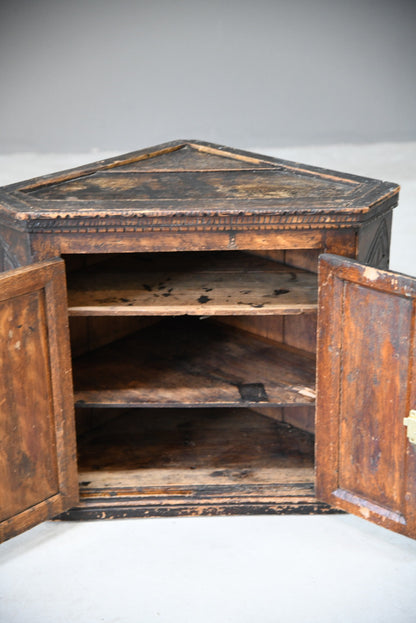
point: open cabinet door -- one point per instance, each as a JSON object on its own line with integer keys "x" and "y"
{"x": 366, "y": 386}
{"x": 38, "y": 472}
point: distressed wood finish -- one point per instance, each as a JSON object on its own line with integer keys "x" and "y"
{"x": 187, "y": 187}
{"x": 194, "y": 364}
{"x": 366, "y": 386}
{"x": 14, "y": 248}
{"x": 282, "y": 498}
{"x": 38, "y": 477}
{"x": 192, "y": 284}
{"x": 206, "y": 461}
{"x": 248, "y": 212}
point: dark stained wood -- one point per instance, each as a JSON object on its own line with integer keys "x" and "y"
{"x": 194, "y": 363}
{"x": 192, "y": 196}
{"x": 280, "y": 195}
{"x": 14, "y": 248}
{"x": 190, "y": 158}
{"x": 191, "y": 186}
{"x": 37, "y": 463}
{"x": 374, "y": 242}
{"x": 190, "y": 283}
{"x": 365, "y": 376}
{"x": 196, "y": 446}
{"x": 237, "y": 499}
{"x": 88, "y": 333}
{"x": 191, "y": 462}
{"x": 88, "y": 419}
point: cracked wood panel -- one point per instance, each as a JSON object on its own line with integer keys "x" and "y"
{"x": 192, "y": 284}
{"x": 194, "y": 362}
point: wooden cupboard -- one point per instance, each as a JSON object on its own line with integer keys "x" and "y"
{"x": 187, "y": 277}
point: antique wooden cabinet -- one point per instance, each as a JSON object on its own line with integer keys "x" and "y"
{"x": 188, "y": 276}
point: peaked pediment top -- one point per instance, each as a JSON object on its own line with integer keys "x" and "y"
{"x": 192, "y": 175}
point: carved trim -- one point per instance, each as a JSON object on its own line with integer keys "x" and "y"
{"x": 103, "y": 224}
{"x": 379, "y": 252}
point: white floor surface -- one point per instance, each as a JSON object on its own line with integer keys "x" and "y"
{"x": 318, "y": 569}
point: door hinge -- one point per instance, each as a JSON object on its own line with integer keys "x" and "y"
{"x": 410, "y": 422}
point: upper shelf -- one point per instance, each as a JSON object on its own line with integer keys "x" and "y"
{"x": 174, "y": 284}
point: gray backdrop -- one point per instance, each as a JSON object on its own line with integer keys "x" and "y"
{"x": 119, "y": 75}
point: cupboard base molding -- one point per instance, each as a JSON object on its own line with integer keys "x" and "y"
{"x": 296, "y": 499}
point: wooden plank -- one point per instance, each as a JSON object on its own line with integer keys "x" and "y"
{"x": 174, "y": 239}
{"x": 192, "y": 284}
{"x": 193, "y": 363}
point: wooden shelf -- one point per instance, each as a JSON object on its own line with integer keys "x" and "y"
{"x": 192, "y": 362}
{"x": 165, "y": 462}
{"x": 169, "y": 284}
{"x": 193, "y": 447}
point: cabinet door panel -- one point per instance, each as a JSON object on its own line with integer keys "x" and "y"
{"x": 37, "y": 459}
{"x": 366, "y": 386}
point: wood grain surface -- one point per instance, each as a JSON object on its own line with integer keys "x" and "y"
{"x": 191, "y": 185}
{"x": 190, "y": 283}
{"x": 365, "y": 463}
{"x": 38, "y": 476}
{"x": 194, "y": 462}
{"x": 192, "y": 362}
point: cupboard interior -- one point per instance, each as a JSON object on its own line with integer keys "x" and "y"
{"x": 194, "y": 377}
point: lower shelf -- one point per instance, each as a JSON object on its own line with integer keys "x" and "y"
{"x": 195, "y": 461}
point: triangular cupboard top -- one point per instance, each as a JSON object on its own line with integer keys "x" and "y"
{"x": 199, "y": 181}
